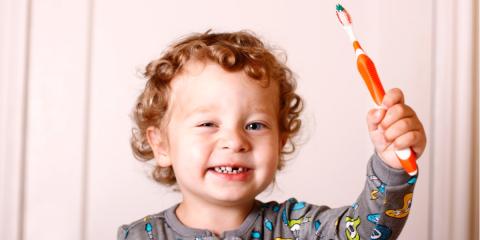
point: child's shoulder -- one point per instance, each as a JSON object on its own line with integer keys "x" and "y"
{"x": 141, "y": 228}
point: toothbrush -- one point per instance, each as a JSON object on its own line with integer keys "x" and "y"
{"x": 366, "y": 67}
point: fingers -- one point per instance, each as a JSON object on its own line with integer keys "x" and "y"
{"x": 413, "y": 139}
{"x": 392, "y": 97}
{"x": 401, "y": 127}
{"x": 374, "y": 117}
{"x": 395, "y": 113}
{"x": 385, "y": 118}
{"x": 396, "y": 124}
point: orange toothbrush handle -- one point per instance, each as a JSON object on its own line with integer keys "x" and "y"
{"x": 369, "y": 74}
{"x": 366, "y": 67}
{"x": 408, "y": 159}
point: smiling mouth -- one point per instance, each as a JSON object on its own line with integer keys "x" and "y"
{"x": 230, "y": 170}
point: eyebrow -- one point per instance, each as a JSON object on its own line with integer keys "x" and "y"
{"x": 203, "y": 109}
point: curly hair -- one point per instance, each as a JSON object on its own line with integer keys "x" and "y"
{"x": 235, "y": 51}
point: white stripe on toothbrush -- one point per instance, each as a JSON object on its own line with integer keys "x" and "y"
{"x": 349, "y": 30}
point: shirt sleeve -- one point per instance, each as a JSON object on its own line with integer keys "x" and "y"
{"x": 122, "y": 232}
{"x": 382, "y": 208}
{"x": 380, "y": 212}
{"x": 140, "y": 229}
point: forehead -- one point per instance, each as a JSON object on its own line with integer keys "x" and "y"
{"x": 202, "y": 85}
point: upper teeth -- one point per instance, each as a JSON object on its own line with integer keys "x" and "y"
{"x": 229, "y": 170}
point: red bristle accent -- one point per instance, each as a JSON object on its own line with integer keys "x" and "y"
{"x": 339, "y": 19}
{"x": 345, "y": 15}
{"x": 348, "y": 16}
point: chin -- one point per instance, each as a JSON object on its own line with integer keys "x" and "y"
{"x": 229, "y": 198}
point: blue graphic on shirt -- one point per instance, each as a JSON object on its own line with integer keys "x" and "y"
{"x": 382, "y": 188}
{"x": 381, "y": 232}
{"x": 377, "y": 183}
{"x": 268, "y": 224}
{"x": 298, "y": 205}
{"x": 284, "y": 217}
{"x": 148, "y": 229}
{"x": 276, "y": 208}
{"x": 412, "y": 180}
{"x": 316, "y": 224}
{"x": 355, "y": 206}
{"x": 256, "y": 235}
{"x": 374, "y": 217}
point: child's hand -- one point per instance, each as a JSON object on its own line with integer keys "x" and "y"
{"x": 395, "y": 127}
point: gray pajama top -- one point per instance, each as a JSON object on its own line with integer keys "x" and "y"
{"x": 380, "y": 212}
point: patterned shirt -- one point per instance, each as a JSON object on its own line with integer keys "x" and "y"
{"x": 380, "y": 212}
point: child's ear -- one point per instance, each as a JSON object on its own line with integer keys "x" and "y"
{"x": 158, "y": 143}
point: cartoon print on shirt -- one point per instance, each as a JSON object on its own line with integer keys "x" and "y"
{"x": 355, "y": 206}
{"x": 373, "y": 194}
{"x": 351, "y": 225}
{"x": 412, "y": 180}
{"x": 298, "y": 206}
{"x": 276, "y": 207}
{"x": 256, "y": 235}
{"x": 268, "y": 224}
{"x": 377, "y": 183}
{"x": 295, "y": 225}
{"x": 402, "y": 212}
{"x": 148, "y": 229}
{"x": 373, "y": 218}
{"x": 316, "y": 225}
{"x": 380, "y": 232}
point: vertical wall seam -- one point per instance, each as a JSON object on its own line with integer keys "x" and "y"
{"x": 24, "y": 130}
{"x": 86, "y": 127}
{"x": 432, "y": 122}
{"x": 454, "y": 120}
{"x": 475, "y": 74}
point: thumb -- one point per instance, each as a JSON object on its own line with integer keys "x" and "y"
{"x": 374, "y": 117}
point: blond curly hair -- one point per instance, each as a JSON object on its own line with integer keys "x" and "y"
{"x": 235, "y": 51}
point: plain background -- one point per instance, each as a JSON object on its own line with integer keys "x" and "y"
{"x": 70, "y": 75}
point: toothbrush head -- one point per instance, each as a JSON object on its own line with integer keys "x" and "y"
{"x": 343, "y": 16}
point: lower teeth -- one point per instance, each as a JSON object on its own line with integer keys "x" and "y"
{"x": 227, "y": 172}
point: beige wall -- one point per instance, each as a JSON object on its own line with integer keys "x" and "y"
{"x": 69, "y": 77}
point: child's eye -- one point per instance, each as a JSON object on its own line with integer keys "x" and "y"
{"x": 207, "y": 124}
{"x": 255, "y": 126}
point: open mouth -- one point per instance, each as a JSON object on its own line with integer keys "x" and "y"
{"x": 230, "y": 170}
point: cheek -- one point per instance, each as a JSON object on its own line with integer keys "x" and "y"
{"x": 268, "y": 153}
{"x": 190, "y": 152}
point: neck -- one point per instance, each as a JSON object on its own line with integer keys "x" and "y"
{"x": 215, "y": 218}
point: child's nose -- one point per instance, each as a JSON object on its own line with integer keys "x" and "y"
{"x": 236, "y": 141}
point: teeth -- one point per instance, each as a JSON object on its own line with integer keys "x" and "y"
{"x": 230, "y": 170}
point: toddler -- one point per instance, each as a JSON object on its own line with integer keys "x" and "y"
{"x": 218, "y": 115}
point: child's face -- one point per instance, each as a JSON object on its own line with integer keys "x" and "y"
{"x": 220, "y": 118}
